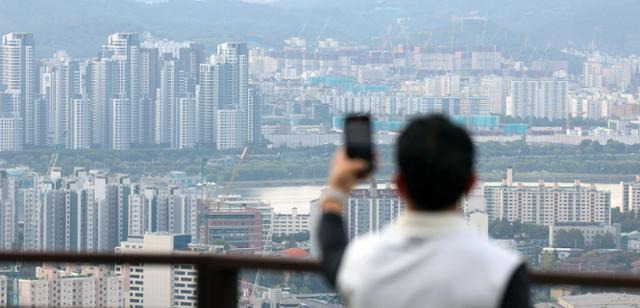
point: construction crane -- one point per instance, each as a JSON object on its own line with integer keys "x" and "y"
{"x": 52, "y": 162}
{"x": 227, "y": 187}
{"x": 56, "y": 153}
{"x": 265, "y": 248}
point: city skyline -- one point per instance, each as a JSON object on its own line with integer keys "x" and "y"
{"x": 206, "y": 129}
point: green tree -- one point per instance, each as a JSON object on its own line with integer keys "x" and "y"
{"x": 548, "y": 260}
{"x": 504, "y": 229}
{"x": 302, "y": 236}
{"x": 291, "y": 242}
{"x": 629, "y": 221}
{"x": 603, "y": 241}
{"x": 222, "y": 243}
{"x": 569, "y": 239}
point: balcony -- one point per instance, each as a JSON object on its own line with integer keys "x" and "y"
{"x": 218, "y": 275}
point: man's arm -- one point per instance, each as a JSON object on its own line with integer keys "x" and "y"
{"x": 333, "y": 242}
{"x": 517, "y": 293}
{"x": 331, "y": 231}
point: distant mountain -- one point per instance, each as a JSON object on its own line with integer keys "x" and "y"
{"x": 81, "y": 26}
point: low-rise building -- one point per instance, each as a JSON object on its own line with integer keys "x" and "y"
{"x": 598, "y": 300}
{"x": 285, "y": 224}
{"x": 4, "y": 291}
{"x": 158, "y": 285}
{"x": 66, "y": 288}
{"x": 589, "y": 232}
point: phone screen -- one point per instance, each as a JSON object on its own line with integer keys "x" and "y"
{"x": 358, "y": 137}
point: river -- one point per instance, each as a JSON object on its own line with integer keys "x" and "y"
{"x": 284, "y": 198}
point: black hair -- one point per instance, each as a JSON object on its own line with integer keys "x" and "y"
{"x": 436, "y": 159}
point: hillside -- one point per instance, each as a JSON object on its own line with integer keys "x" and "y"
{"x": 81, "y": 26}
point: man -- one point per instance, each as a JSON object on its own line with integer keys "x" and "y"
{"x": 429, "y": 258}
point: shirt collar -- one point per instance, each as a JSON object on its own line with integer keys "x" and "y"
{"x": 431, "y": 223}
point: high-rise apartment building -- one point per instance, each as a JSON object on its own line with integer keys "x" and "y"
{"x": 126, "y": 48}
{"x": 236, "y": 82}
{"x": 523, "y": 99}
{"x": 371, "y": 209}
{"x": 54, "y": 220}
{"x": 554, "y": 97}
{"x": 9, "y": 211}
{"x": 630, "y": 195}
{"x": 230, "y": 129}
{"x": 120, "y": 124}
{"x": 190, "y": 56}
{"x": 547, "y": 204}
{"x": 493, "y": 87}
{"x": 254, "y": 116}
{"x": 149, "y": 72}
{"x": 10, "y": 134}
{"x": 99, "y": 76}
{"x": 166, "y": 102}
{"x": 4, "y": 291}
{"x": 90, "y": 211}
{"x": 78, "y": 134}
{"x": 544, "y": 98}
{"x": 208, "y": 99}
{"x": 158, "y": 285}
{"x": 186, "y": 129}
{"x": 32, "y": 219}
{"x": 17, "y": 72}
{"x": 60, "y": 83}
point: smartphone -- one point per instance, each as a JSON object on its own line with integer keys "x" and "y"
{"x": 358, "y": 138}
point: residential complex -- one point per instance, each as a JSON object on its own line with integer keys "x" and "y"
{"x": 158, "y": 285}
{"x": 134, "y": 92}
{"x": 292, "y": 223}
{"x": 85, "y": 286}
{"x": 547, "y": 203}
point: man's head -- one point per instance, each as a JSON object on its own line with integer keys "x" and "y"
{"x": 435, "y": 160}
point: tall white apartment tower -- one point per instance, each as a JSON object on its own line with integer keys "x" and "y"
{"x": 17, "y": 72}
{"x": 253, "y": 115}
{"x": 186, "y": 134}
{"x": 369, "y": 210}
{"x": 67, "y": 88}
{"x": 553, "y": 103}
{"x": 127, "y": 46}
{"x": 120, "y": 123}
{"x": 149, "y": 84}
{"x": 158, "y": 285}
{"x": 165, "y": 106}
{"x": 230, "y": 133}
{"x": 233, "y": 88}
{"x": 208, "y": 100}
{"x": 524, "y": 98}
{"x": 60, "y": 81}
{"x": 78, "y": 136}
{"x": 10, "y": 134}
{"x": 237, "y": 81}
{"x": 100, "y": 91}
{"x": 8, "y": 211}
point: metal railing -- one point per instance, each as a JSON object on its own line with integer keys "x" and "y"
{"x": 218, "y": 274}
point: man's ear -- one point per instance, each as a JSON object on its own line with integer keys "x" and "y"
{"x": 401, "y": 185}
{"x": 471, "y": 181}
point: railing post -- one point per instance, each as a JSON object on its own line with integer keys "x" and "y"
{"x": 217, "y": 287}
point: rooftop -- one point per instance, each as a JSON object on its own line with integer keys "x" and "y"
{"x": 611, "y": 300}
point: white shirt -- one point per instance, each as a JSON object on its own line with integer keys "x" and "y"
{"x": 425, "y": 260}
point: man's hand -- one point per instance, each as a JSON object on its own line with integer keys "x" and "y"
{"x": 345, "y": 171}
